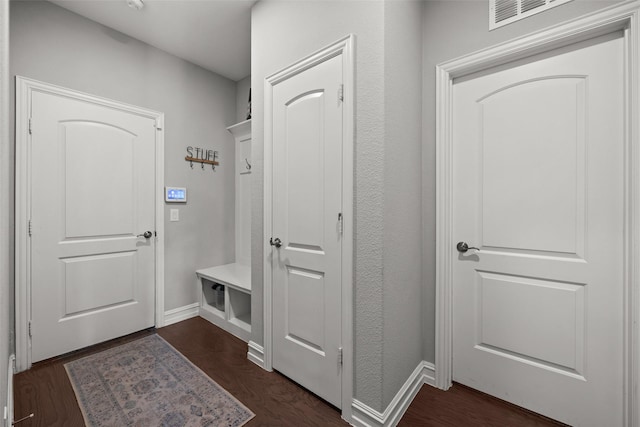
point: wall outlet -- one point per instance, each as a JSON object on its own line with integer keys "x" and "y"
{"x": 174, "y": 215}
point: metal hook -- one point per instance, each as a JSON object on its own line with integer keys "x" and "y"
{"x": 248, "y": 164}
{"x": 191, "y": 164}
{"x": 22, "y": 419}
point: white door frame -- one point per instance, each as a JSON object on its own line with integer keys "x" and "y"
{"x": 344, "y": 47}
{"x": 24, "y": 89}
{"x": 620, "y": 17}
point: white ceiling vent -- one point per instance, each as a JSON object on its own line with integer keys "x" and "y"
{"x": 503, "y": 12}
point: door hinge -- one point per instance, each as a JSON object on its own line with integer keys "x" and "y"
{"x": 340, "y": 226}
{"x": 157, "y": 125}
{"x": 30, "y": 335}
{"x": 340, "y": 356}
{"x": 30, "y": 125}
{"x": 30, "y": 228}
{"x": 341, "y": 92}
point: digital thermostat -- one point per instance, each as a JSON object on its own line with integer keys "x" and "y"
{"x": 175, "y": 195}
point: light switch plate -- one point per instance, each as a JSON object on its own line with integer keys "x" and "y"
{"x": 174, "y": 215}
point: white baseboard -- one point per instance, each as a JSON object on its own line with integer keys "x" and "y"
{"x": 256, "y": 354}
{"x": 181, "y": 313}
{"x": 8, "y": 410}
{"x": 365, "y": 416}
{"x": 429, "y": 373}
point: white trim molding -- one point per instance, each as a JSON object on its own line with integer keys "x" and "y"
{"x": 9, "y": 405}
{"x": 621, "y": 17}
{"x": 344, "y": 47}
{"x": 181, "y": 313}
{"x": 24, "y": 89}
{"x": 365, "y": 416}
{"x": 256, "y": 354}
{"x": 429, "y": 373}
{"x": 159, "y": 235}
{"x": 6, "y": 171}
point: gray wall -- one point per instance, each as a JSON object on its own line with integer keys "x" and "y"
{"x": 53, "y": 45}
{"x": 402, "y": 204}
{"x": 452, "y": 29}
{"x": 6, "y": 163}
{"x": 387, "y": 171}
{"x": 242, "y": 97}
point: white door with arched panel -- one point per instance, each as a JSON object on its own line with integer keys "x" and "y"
{"x": 538, "y": 188}
{"x": 92, "y": 221}
{"x": 307, "y": 228}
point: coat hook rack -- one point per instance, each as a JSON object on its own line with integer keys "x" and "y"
{"x": 202, "y": 156}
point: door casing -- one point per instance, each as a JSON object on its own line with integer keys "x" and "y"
{"x": 344, "y": 47}
{"x": 621, "y": 17}
{"x": 24, "y": 89}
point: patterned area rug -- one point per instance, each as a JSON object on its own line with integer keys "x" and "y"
{"x": 147, "y": 382}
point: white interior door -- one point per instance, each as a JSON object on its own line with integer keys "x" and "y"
{"x": 538, "y": 187}
{"x": 92, "y": 172}
{"x": 307, "y": 206}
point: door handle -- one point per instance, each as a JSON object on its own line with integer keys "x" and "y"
{"x": 146, "y": 235}
{"x": 275, "y": 242}
{"x": 462, "y": 247}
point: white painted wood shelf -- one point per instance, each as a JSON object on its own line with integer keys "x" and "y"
{"x": 236, "y": 277}
{"x": 236, "y": 316}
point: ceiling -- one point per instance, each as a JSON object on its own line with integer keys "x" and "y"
{"x": 215, "y": 34}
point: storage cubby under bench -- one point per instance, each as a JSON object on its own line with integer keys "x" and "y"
{"x": 235, "y": 318}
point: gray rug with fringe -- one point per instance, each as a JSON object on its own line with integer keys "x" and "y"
{"x": 147, "y": 382}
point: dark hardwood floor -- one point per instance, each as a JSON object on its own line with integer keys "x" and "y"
{"x": 46, "y": 391}
{"x": 462, "y": 406}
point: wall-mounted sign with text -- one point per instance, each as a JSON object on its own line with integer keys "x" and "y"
{"x": 202, "y": 156}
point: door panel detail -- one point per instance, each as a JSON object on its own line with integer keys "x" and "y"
{"x": 305, "y": 248}
{"x": 101, "y": 207}
{"x": 305, "y": 307}
{"x": 304, "y": 118}
{"x": 549, "y": 117}
{"x": 95, "y": 282}
{"x": 540, "y": 320}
